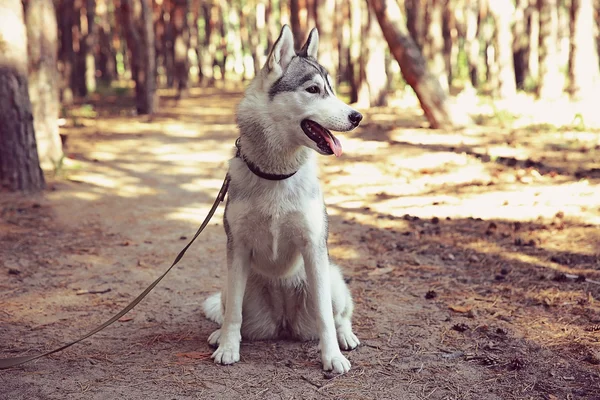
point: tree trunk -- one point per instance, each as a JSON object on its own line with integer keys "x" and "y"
{"x": 66, "y": 17}
{"x": 354, "y": 52}
{"x": 432, "y": 97}
{"x": 583, "y": 56}
{"x": 435, "y": 39}
{"x": 106, "y": 53}
{"x": 415, "y": 20}
{"x": 208, "y": 47}
{"x": 533, "y": 63}
{"x": 551, "y": 80}
{"x": 181, "y": 44}
{"x": 325, "y": 12}
{"x": 472, "y": 46}
{"x": 87, "y": 44}
{"x": 137, "y": 17}
{"x": 297, "y": 30}
{"x": 520, "y": 46}
{"x": 42, "y": 49}
{"x": 78, "y": 84}
{"x": 373, "y": 90}
{"x": 502, "y": 11}
{"x": 19, "y": 164}
{"x": 450, "y": 40}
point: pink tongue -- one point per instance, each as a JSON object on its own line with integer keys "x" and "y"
{"x": 334, "y": 144}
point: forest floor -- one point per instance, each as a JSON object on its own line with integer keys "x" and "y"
{"x": 472, "y": 256}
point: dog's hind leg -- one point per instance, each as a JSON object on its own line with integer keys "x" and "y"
{"x": 213, "y": 308}
{"x": 342, "y": 310}
{"x": 259, "y": 311}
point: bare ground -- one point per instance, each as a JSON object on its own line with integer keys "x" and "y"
{"x": 473, "y": 258}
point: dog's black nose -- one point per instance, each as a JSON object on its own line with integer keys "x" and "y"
{"x": 355, "y": 117}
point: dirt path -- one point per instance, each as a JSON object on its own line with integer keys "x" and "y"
{"x": 472, "y": 257}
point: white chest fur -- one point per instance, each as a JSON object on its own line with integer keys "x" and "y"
{"x": 275, "y": 220}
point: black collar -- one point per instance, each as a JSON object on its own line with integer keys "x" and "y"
{"x": 255, "y": 170}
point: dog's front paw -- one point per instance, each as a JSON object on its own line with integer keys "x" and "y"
{"x": 227, "y": 354}
{"x": 215, "y": 338}
{"x": 347, "y": 340}
{"x": 336, "y": 363}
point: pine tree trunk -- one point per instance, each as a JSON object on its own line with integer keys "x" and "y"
{"x": 435, "y": 39}
{"x": 325, "y": 12}
{"x": 86, "y": 52}
{"x": 42, "y": 46}
{"x": 520, "y": 46}
{"x": 208, "y": 48}
{"x": 432, "y": 97}
{"x": 354, "y": 52}
{"x": 472, "y": 46}
{"x": 137, "y": 17}
{"x": 78, "y": 74}
{"x": 106, "y": 53}
{"x": 415, "y": 20}
{"x": 584, "y": 72}
{"x": 297, "y": 30}
{"x": 66, "y": 17}
{"x": 19, "y": 164}
{"x": 533, "y": 63}
{"x": 502, "y": 11}
{"x": 373, "y": 90}
{"x": 551, "y": 80}
{"x": 181, "y": 45}
{"x": 450, "y": 40}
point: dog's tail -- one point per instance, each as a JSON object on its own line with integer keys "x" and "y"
{"x": 213, "y": 308}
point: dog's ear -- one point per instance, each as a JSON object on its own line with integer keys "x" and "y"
{"x": 283, "y": 50}
{"x": 311, "y": 46}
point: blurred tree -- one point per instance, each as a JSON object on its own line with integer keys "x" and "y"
{"x": 19, "y": 164}
{"x": 87, "y": 58}
{"x": 66, "y": 55}
{"x": 325, "y": 11}
{"x": 472, "y": 46}
{"x": 181, "y": 44}
{"x": 42, "y": 45}
{"x": 415, "y": 20}
{"x": 207, "y": 47}
{"x": 502, "y": 12}
{"x": 433, "y": 49}
{"x": 584, "y": 73}
{"x": 520, "y": 46}
{"x": 450, "y": 34}
{"x": 551, "y": 81}
{"x": 106, "y": 53}
{"x": 372, "y": 90}
{"x": 432, "y": 97}
{"x": 533, "y": 63}
{"x": 139, "y": 31}
{"x": 355, "y": 10}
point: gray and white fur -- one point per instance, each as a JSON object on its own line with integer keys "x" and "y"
{"x": 280, "y": 282}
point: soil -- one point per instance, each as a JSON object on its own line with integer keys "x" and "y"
{"x": 472, "y": 256}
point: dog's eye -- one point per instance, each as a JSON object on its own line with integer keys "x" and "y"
{"x": 313, "y": 89}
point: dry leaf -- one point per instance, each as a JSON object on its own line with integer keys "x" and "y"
{"x": 460, "y": 309}
{"x": 381, "y": 271}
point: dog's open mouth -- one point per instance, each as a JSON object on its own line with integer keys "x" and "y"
{"x": 326, "y": 142}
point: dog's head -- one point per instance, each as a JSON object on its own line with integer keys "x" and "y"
{"x": 301, "y": 98}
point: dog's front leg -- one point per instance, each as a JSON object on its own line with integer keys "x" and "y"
{"x": 316, "y": 262}
{"x": 229, "y": 335}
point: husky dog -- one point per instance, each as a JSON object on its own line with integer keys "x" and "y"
{"x": 280, "y": 281}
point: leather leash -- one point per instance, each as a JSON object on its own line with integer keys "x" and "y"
{"x": 15, "y": 361}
